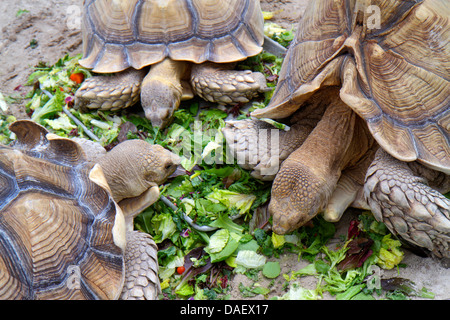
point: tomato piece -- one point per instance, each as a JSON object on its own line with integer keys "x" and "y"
{"x": 77, "y": 77}
{"x": 181, "y": 269}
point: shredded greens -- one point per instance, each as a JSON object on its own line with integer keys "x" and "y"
{"x": 216, "y": 194}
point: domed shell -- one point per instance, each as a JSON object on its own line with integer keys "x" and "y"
{"x": 61, "y": 233}
{"x": 131, "y": 33}
{"x": 391, "y": 60}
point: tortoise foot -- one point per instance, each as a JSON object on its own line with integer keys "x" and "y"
{"x": 219, "y": 85}
{"x": 141, "y": 263}
{"x": 407, "y": 205}
{"x": 110, "y": 92}
{"x": 255, "y": 146}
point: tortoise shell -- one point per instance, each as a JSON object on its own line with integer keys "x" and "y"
{"x": 132, "y": 33}
{"x": 61, "y": 233}
{"x": 391, "y": 59}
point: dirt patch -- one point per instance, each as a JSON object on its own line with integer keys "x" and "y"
{"x": 34, "y": 31}
{"x": 45, "y": 30}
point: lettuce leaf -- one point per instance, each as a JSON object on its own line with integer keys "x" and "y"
{"x": 390, "y": 254}
{"x": 164, "y": 227}
{"x": 271, "y": 269}
{"x": 297, "y": 292}
{"x": 50, "y": 108}
{"x": 250, "y": 259}
{"x": 242, "y": 202}
{"x": 62, "y": 123}
{"x": 218, "y": 241}
{"x": 224, "y": 222}
{"x": 230, "y": 247}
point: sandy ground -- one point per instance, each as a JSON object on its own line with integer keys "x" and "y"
{"x": 53, "y": 26}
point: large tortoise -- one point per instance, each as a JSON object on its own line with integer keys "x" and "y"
{"x": 358, "y": 78}
{"x": 190, "y": 45}
{"x": 66, "y": 222}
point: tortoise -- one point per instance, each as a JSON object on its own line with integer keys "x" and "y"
{"x": 365, "y": 90}
{"x": 66, "y": 220}
{"x": 191, "y": 47}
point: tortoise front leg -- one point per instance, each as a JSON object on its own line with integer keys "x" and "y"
{"x": 217, "y": 83}
{"x": 141, "y": 268}
{"x": 110, "y": 92}
{"x": 405, "y": 198}
{"x": 260, "y": 147}
{"x": 349, "y": 190}
{"x": 131, "y": 207}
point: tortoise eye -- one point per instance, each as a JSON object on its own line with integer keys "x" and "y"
{"x": 168, "y": 166}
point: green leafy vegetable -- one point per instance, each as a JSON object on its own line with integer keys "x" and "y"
{"x": 20, "y": 12}
{"x": 218, "y": 241}
{"x": 253, "y": 290}
{"x": 297, "y": 292}
{"x": 51, "y": 107}
{"x": 6, "y": 136}
{"x": 223, "y": 221}
{"x": 62, "y": 123}
{"x": 250, "y": 259}
{"x": 390, "y": 254}
{"x": 350, "y": 292}
{"x": 164, "y": 227}
{"x": 278, "y": 240}
{"x": 242, "y": 202}
{"x": 231, "y": 246}
{"x": 213, "y": 192}
{"x": 185, "y": 290}
{"x": 271, "y": 269}
{"x": 399, "y": 288}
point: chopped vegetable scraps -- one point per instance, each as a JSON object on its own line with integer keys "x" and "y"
{"x": 390, "y": 253}
{"x": 6, "y": 136}
{"x": 77, "y": 77}
{"x": 233, "y": 200}
{"x": 270, "y": 14}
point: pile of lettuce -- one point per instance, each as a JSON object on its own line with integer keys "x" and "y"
{"x": 212, "y": 218}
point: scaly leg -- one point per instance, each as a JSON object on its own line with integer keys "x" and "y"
{"x": 114, "y": 92}
{"x": 260, "y": 147}
{"x": 217, "y": 83}
{"x": 141, "y": 268}
{"x": 407, "y": 204}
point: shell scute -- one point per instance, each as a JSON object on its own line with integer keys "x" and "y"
{"x": 131, "y": 33}
{"x": 55, "y": 219}
{"x": 395, "y": 75}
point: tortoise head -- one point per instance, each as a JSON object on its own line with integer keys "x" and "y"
{"x": 297, "y": 196}
{"x": 134, "y": 166}
{"x": 161, "y": 91}
{"x": 159, "y": 102}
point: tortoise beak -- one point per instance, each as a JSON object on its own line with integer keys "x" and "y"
{"x": 179, "y": 171}
{"x": 286, "y": 216}
{"x": 158, "y": 115}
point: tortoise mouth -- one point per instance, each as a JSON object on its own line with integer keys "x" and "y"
{"x": 278, "y": 229}
{"x": 159, "y": 115}
{"x": 283, "y": 225}
{"x": 286, "y": 217}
